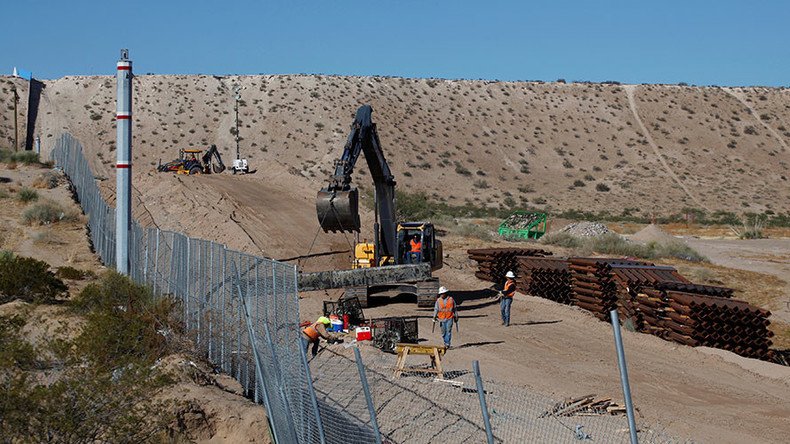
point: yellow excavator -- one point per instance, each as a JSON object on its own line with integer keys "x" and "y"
{"x": 394, "y": 243}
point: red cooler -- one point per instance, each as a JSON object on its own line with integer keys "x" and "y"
{"x": 363, "y": 334}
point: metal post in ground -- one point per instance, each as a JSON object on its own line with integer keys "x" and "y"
{"x": 483, "y": 406}
{"x": 256, "y": 357}
{"x": 123, "y": 165}
{"x": 629, "y": 407}
{"x": 366, "y": 388}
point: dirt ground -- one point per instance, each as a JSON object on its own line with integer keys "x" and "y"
{"x": 701, "y": 394}
{"x": 768, "y": 256}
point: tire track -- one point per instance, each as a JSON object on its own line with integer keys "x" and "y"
{"x": 629, "y": 91}
{"x": 754, "y": 114}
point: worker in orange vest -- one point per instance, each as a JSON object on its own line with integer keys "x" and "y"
{"x": 415, "y": 251}
{"x": 506, "y": 297}
{"x": 445, "y": 311}
{"x": 313, "y": 333}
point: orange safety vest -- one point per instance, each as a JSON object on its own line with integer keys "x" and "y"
{"x": 311, "y": 332}
{"x": 416, "y": 246}
{"x": 446, "y": 309}
{"x": 510, "y": 288}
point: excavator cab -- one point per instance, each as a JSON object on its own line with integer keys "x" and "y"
{"x": 417, "y": 243}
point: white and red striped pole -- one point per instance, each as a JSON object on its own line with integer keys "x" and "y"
{"x": 123, "y": 172}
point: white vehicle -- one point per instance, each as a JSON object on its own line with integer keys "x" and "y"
{"x": 240, "y": 166}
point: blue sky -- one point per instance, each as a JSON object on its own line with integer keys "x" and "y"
{"x": 699, "y": 42}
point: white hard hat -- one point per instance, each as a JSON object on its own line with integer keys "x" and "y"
{"x": 443, "y": 290}
{"x": 510, "y": 275}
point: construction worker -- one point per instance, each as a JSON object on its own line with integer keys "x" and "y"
{"x": 506, "y": 297}
{"x": 415, "y": 251}
{"x": 313, "y": 333}
{"x": 445, "y": 311}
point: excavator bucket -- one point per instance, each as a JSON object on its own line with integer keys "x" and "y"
{"x": 338, "y": 210}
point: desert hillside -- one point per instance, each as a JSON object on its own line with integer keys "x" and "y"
{"x": 654, "y": 149}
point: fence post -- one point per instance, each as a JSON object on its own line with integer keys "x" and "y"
{"x": 187, "y": 267}
{"x": 311, "y": 391}
{"x": 629, "y": 407}
{"x": 366, "y": 388}
{"x": 256, "y": 357}
{"x": 483, "y": 406}
{"x": 156, "y": 260}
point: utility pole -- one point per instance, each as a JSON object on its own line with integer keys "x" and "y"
{"x": 16, "y": 120}
{"x": 237, "y": 90}
{"x": 123, "y": 166}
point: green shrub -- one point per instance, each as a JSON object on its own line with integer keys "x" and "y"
{"x": 47, "y": 212}
{"x": 84, "y": 404}
{"x": 25, "y": 157}
{"x": 29, "y": 280}
{"x": 72, "y": 273}
{"x": 124, "y": 322}
{"x": 105, "y": 387}
{"x": 3, "y": 193}
{"x": 15, "y": 352}
{"x": 616, "y": 245}
{"x": 602, "y": 187}
{"x": 26, "y": 195}
{"x": 562, "y": 240}
{"x": 462, "y": 170}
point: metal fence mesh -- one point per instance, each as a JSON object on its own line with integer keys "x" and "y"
{"x": 242, "y": 312}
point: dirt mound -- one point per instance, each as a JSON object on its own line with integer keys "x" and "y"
{"x": 586, "y": 229}
{"x": 653, "y": 233}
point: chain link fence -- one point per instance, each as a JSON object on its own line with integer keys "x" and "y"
{"x": 242, "y": 312}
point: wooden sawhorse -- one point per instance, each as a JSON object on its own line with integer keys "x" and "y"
{"x": 435, "y": 352}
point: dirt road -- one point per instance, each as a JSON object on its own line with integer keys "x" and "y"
{"x": 770, "y": 256}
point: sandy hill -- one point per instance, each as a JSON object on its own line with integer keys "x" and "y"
{"x": 655, "y": 148}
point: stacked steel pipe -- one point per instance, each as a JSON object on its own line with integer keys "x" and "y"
{"x": 548, "y": 278}
{"x": 654, "y": 299}
{"x": 594, "y": 286}
{"x": 493, "y": 263}
{"x": 631, "y": 279}
{"x": 713, "y": 321}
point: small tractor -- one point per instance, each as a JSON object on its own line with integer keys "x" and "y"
{"x": 190, "y": 162}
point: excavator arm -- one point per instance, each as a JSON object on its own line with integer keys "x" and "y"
{"x": 213, "y": 151}
{"x": 337, "y": 204}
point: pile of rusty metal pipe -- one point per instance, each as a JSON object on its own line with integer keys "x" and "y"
{"x": 548, "y": 278}
{"x": 703, "y": 320}
{"x": 594, "y": 286}
{"x": 493, "y": 263}
{"x": 652, "y": 299}
{"x": 631, "y": 279}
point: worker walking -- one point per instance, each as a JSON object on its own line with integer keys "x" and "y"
{"x": 506, "y": 297}
{"x": 313, "y": 333}
{"x": 445, "y": 311}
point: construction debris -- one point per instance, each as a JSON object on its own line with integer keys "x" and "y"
{"x": 521, "y": 220}
{"x": 585, "y": 406}
{"x": 586, "y": 229}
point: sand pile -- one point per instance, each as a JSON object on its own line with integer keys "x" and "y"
{"x": 654, "y": 233}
